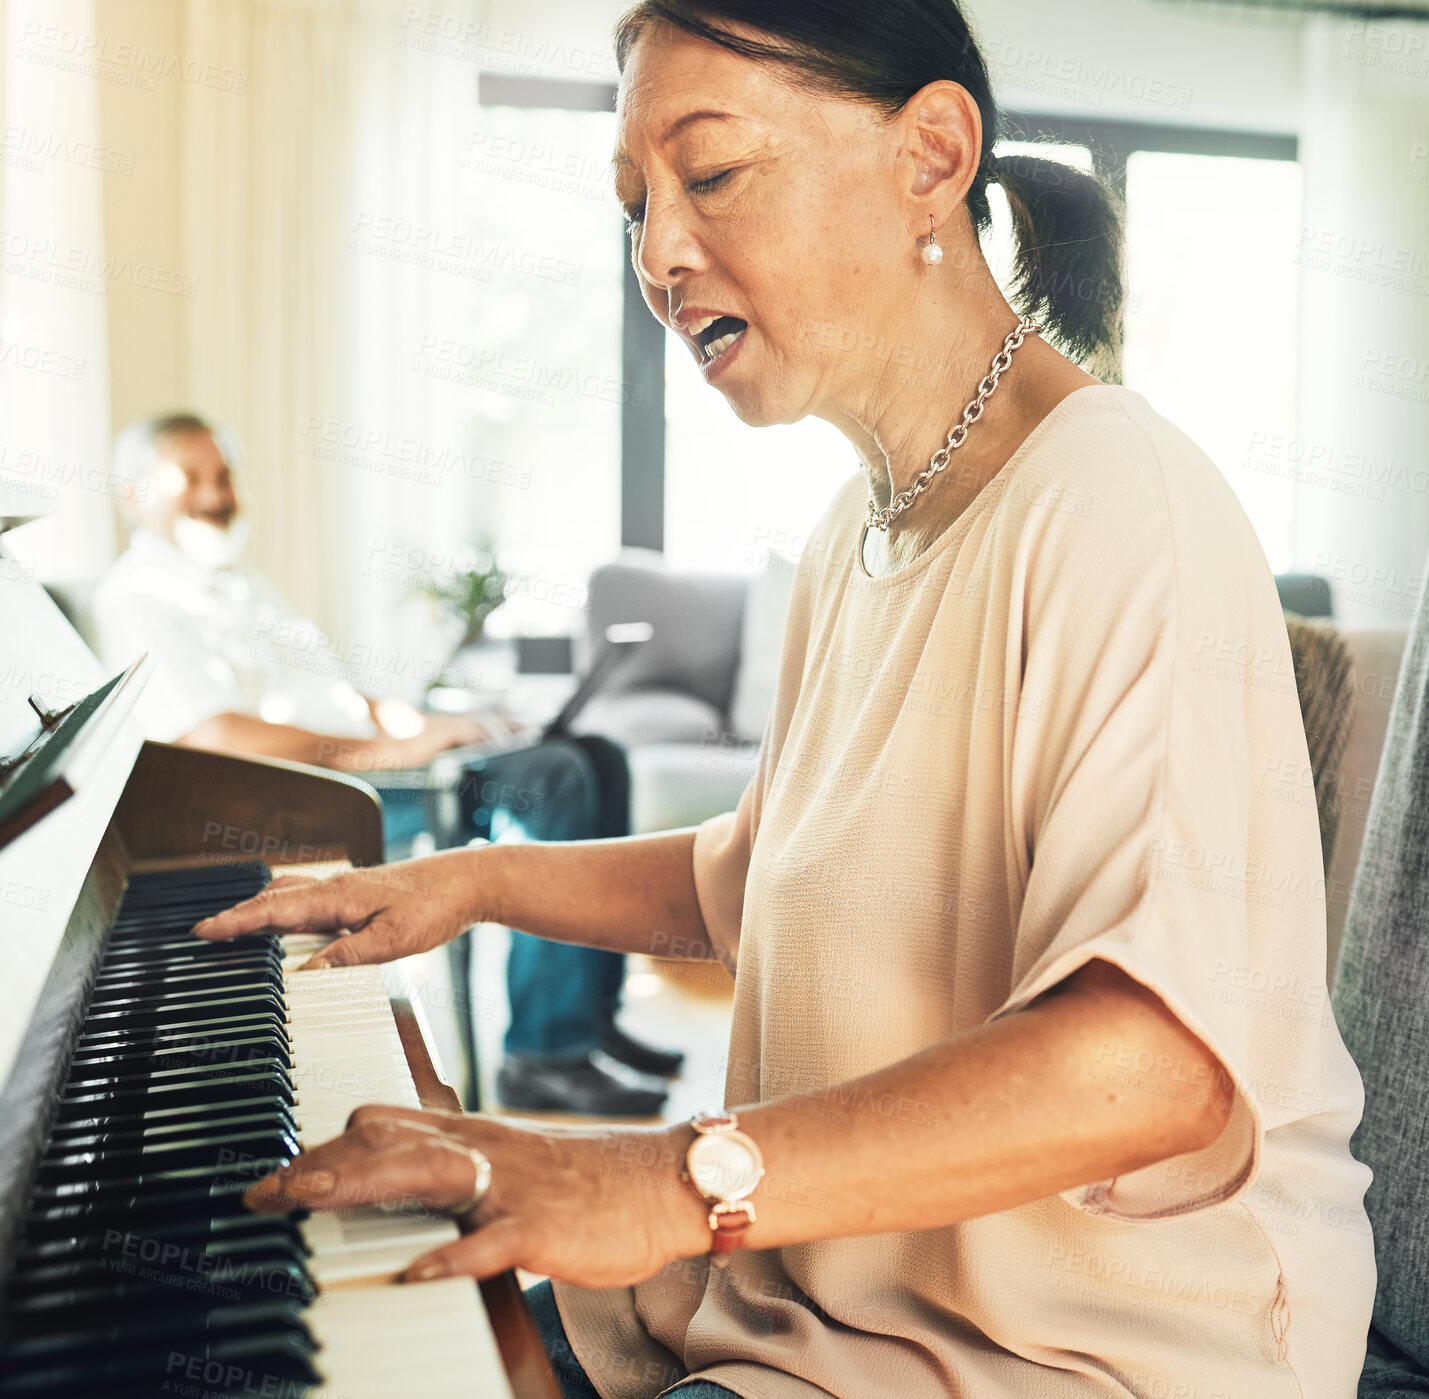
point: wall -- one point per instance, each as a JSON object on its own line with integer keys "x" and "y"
{"x": 1209, "y": 65}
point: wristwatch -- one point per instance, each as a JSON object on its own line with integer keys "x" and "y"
{"x": 724, "y": 1165}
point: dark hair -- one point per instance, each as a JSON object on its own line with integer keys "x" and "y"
{"x": 179, "y": 425}
{"x": 1068, "y": 224}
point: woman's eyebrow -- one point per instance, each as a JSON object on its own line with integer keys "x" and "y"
{"x": 620, "y": 160}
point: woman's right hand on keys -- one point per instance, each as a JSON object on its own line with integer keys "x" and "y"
{"x": 388, "y": 911}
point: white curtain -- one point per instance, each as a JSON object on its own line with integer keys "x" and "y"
{"x": 296, "y": 164}
{"x": 319, "y": 213}
{"x": 54, "y": 373}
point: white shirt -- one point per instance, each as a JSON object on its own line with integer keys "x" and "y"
{"x": 223, "y": 640}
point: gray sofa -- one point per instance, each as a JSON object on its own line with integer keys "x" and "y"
{"x": 690, "y": 706}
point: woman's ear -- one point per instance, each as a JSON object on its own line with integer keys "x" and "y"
{"x": 943, "y": 141}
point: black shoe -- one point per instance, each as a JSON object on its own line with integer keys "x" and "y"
{"x": 643, "y": 1058}
{"x": 571, "y": 1083}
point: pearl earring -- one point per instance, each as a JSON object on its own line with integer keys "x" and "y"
{"x": 932, "y": 254}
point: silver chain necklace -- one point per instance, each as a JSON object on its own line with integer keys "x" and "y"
{"x": 881, "y": 519}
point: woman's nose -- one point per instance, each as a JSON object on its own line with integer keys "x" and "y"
{"x": 666, "y": 250}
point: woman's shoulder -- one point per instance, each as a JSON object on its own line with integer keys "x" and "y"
{"x": 1120, "y": 512}
{"x": 1111, "y": 474}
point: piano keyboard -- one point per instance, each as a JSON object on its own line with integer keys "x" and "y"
{"x": 199, "y": 1067}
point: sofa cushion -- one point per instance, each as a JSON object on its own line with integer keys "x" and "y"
{"x": 1389, "y": 1373}
{"x": 1375, "y": 656}
{"x": 651, "y": 716}
{"x": 696, "y": 619}
{"x": 673, "y": 785}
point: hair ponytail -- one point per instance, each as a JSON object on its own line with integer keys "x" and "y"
{"x": 1068, "y": 273}
{"x": 1068, "y": 225}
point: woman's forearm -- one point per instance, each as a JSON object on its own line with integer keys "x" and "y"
{"x": 633, "y": 894}
{"x": 1017, "y": 1110}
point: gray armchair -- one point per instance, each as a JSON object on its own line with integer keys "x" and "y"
{"x": 1381, "y": 1003}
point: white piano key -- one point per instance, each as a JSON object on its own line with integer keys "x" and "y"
{"x": 431, "y": 1339}
{"x": 377, "y": 1338}
{"x": 347, "y": 1052}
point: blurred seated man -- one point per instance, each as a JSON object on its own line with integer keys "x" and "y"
{"x": 228, "y": 676}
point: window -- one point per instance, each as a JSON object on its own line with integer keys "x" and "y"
{"x": 1212, "y": 226}
{"x": 1211, "y": 317}
{"x": 545, "y": 362}
{"x": 734, "y": 494}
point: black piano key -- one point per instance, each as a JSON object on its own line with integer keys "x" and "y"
{"x": 157, "y": 1180}
{"x": 181, "y": 945}
{"x": 268, "y": 1336}
{"x": 93, "y": 1291}
{"x": 199, "y": 1013}
{"x": 206, "y": 1049}
{"x": 160, "y": 994}
{"x": 212, "y": 1148}
{"x": 120, "y": 1035}
{"x": 153, "y": 967}
{"x": 110, "y": 1119}
{"x": 220, "y": 1234}
{"x": 276, "y": 1118}
{"x": 120, "y": 1091}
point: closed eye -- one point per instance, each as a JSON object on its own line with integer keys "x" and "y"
{"x": 713, "y": 182}
{"x": 635, "y": 214}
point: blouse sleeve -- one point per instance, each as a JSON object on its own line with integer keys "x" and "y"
{"x": 1133, "y": 796}
{"x": 721, "y": 866}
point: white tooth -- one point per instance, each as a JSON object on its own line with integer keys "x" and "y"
{"x": 718, "y": 347}
{"x": 700, "y": 326}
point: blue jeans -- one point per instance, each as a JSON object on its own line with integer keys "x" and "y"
{"x": 574, "y": 1382}
{"x": 571, "y": 788}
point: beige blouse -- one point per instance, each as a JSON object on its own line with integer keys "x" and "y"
{"x": 1067, "y": 730}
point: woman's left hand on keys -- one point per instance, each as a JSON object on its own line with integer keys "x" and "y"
{"x": 601, "y": 1207}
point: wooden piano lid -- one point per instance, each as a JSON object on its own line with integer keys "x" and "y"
{"x": 527, "y": 1365}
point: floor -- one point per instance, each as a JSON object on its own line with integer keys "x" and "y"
{"x": 672, "y": 1005}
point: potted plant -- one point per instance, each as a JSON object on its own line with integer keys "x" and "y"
{"x": 469, "y": 592}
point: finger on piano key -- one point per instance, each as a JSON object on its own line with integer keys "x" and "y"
{"x": 315, "y": 906}
{"x": 384, "y": 1163}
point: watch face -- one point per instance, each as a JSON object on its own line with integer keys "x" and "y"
{"x": 724, "y": 1165}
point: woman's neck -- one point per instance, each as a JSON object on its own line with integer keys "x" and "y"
{"x": 898, "y": 409}
{"x": 1036, "y": 380}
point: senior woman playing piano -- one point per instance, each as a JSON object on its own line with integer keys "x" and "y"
{"x": 1031, "y": 1039}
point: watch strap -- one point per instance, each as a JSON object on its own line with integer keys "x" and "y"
{"x": 728, "y": 1225}
{"x": 706, "y": 1122}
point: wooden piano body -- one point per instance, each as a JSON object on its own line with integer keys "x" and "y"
{"x": 139, "y": 805}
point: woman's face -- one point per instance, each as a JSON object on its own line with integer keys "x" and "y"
{"x": 754, "y": 199}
